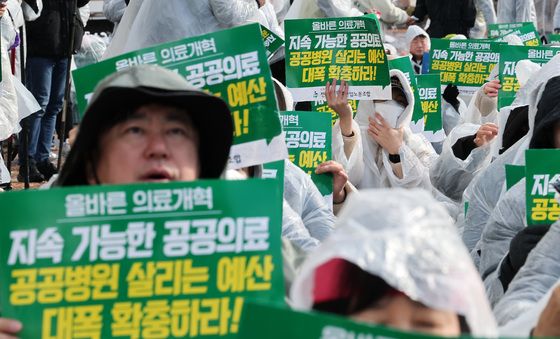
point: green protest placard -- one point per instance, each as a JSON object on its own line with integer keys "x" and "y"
{"x": 272, "y": 42}
{"x": 309, "y": 141}
{"x": 217, "y": 62}
{"x": 509, "y": 57}
{"x": 499, "y": 30}
{"x": 464, "y": 63}
{"x": 261, "y": 320}
{"x": 322, "y": 106}
{"x": 541, "y": 171}
{"x": 554, "y": 38}
{"x": 527, "y": 33}
{"x": 137, "y": 261}
{"x": 349, "y": 49}
{"x": 273, "y": 170}
{"x": 429, "y": 90}
{"x": 514, "y": 174}
{"x": 404, "y": 65}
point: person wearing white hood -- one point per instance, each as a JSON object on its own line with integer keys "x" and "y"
{"x": 378, "y": 149}
{"x": 418, "y": 43}
{"x": 395, "y": 259}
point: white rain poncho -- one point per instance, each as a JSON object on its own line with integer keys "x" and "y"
{"x": 510, "y": 11}
{"x": 281, "y": 7}
{"x": 485, "y": 15}
{"x": 451, "y": 175}
{"x": 508, "y": 218}
{"x": 294, "y": 230}
{"x": 302, "y": 9}
{"x": 390, "y": 13}
{"x": 483, "y": 193}
{"x": 486, "y": 7}
{"x": 154, "y": 22}
{"x": 451, "y": 117}
{"x": 540, "y": 272}
{"x": 4, "y": 173}
{"x": 114, "y": 10}
{"x": 306, "y": 218}
{"x": 16, "y": 102}
{"x": 368, "y": 165}
{"x": 305, "y": 199}
{"x": 528, "y": 317}
{"x": 406, "y": 239}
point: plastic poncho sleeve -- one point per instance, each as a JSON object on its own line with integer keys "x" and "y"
{"x": 114, "y": 10}
{"x": 452, "y": 117}
{"x": 482, "y": 109}
{"x": 523, "y": 326}
{"x": 351, "y": 157}
{"x": 508, "y": 218}
{"x": 540, "y": 272}
{"x": 483, "y": 194}
{"x": 305, "y": 199}
{"x": 523, "y": 10}
{"x": 488, "y": 10}
{"x": 9, "y": 116}
{"x": 232, "y": 13}
{"x": 338, "y": 8}
{"x": 514, "y": 11}
{"x": 451, "y": 175}
{"x": 414, "y": 172}
{"x": 390, "y": 13}
{"x": 294, "y": 230}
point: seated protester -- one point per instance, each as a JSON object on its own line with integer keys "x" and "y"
{"x": 485, "y": 189}
{"x": 464, "y": 157}
{"x": 418, "y": 43}
{"x": 378, "y": 149}
{"x": 395, "y": 259}
{"x": 509, "y": 215}
{"x": 307, "y": 219}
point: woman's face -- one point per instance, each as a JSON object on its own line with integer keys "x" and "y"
{"x": 400, "y": 312}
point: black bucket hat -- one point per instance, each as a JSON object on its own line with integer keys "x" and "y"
{"x": 129, "y": 89}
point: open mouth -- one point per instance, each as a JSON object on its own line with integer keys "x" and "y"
{"x": 159, "y": 175}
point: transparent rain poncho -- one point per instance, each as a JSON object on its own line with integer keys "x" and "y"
{"x": 406, "y": 239}
{"x": 483, "y": 193}
{"x": 152, "y": 22}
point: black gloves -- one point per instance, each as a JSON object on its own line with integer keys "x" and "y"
{"x": 519, "y": 248}
{"x": 450, "y": 95}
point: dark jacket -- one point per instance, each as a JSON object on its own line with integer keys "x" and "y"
{"x": 447, "y": 16}
{"x": 49, "y": 35}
